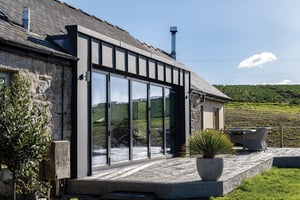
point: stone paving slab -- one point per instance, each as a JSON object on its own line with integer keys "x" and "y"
{"x": 177, "y": 177}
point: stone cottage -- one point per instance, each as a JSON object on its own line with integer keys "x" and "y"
{"x": 116, "y": 99}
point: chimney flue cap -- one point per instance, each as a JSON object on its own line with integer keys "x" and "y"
{"x": 26, "y": 18}
{"x": 173, "y": 29}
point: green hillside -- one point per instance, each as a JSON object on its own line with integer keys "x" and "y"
{"x": 289, "y": 94}
{"x": 265, "y": 106}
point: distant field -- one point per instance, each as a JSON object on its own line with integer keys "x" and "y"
{"x": 289, "y": 94}
{"x": 265, "y": 106}
{"x": 261, "y": 114}
{"x": 267, "y": 115}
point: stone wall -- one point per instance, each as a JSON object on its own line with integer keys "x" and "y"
{"x": 51, "y": 87}
{"x": 206, "y": 107}
{"x": 197, "y": 104}
{"x": 196, "y": 124}
{"x": 5, "y": 183}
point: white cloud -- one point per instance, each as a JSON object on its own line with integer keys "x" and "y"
{"x": 257, "y": 60}
{"x": 285, "y": 82}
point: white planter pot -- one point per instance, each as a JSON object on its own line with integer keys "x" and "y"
{"x": 210, "y": 169}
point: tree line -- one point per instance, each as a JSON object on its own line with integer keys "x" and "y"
{"x": 287, "y": 94}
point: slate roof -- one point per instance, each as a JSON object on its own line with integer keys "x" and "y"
{"x": 50, "y": 17}
{"x": 200, "y": 85}
{"x": 16, "y": 35}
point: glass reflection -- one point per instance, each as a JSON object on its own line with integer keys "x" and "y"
{"x": 99, "y": 128}
{"x": 139, "y": 120}
{"x": 157, "y": 132}
{"x": 119, "y": 148}
{"x": 170, "y": 120}
{"x": 119, "y": 120}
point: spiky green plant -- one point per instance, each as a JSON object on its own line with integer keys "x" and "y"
{"x": 208, "y": 143}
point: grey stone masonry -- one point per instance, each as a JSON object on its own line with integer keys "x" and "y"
{"x": 196, "y": 113}
{"x": 5, "y": 182}
{"x": 51, "y": 87}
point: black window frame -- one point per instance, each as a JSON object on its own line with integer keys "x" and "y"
{"x": 216, "y": 118}
{"x": 108, "y": 113}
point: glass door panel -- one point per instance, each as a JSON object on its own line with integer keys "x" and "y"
{"x": 157, "y": 130}
{"x": 119, "y": 120}
{"x": 170, "y": 120}
{"x": 99, "y": 121}
{"x": 139, "y": 120}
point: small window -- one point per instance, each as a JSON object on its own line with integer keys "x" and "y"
{"x": 216, "y": 118}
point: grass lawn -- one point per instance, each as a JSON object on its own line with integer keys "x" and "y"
{"x": 276, "y": 183}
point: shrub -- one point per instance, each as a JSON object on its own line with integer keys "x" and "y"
{"x": 208, "y": 143}
{"x": 23, "y": 137}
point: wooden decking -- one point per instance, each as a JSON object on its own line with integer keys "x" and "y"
{"x": 177, "y": 178}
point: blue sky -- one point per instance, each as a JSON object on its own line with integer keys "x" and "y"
{"x": 225, "y": 42}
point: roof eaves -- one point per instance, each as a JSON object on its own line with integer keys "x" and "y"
{"x": 38, "y": 50}
{"x": 212, "y": 96}
{"x": 218, "y": 98}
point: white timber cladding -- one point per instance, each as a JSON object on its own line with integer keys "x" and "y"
{"x": 107, "y": 55}
{"x": 132, "y": 63}
{"x": 142, "y": 66}
{"x": 152, "y": 69}
{"x": 181, "y": 78}
{"x": 169, "y": 74}
{"x": 120, "y": 59}
{"x": 95, "y": 50}
{"x": 175, "y": 76}
{"x": 160, "y": 71}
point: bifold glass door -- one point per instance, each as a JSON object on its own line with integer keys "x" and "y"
{"x": 99, "y": 120}
{"x": 170, "y": 102}
{"x": 131, "y": 119}
{"x": 156, "y": 120}
{"x": 119, "y": 120}
{"x": 139, "y": 121}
